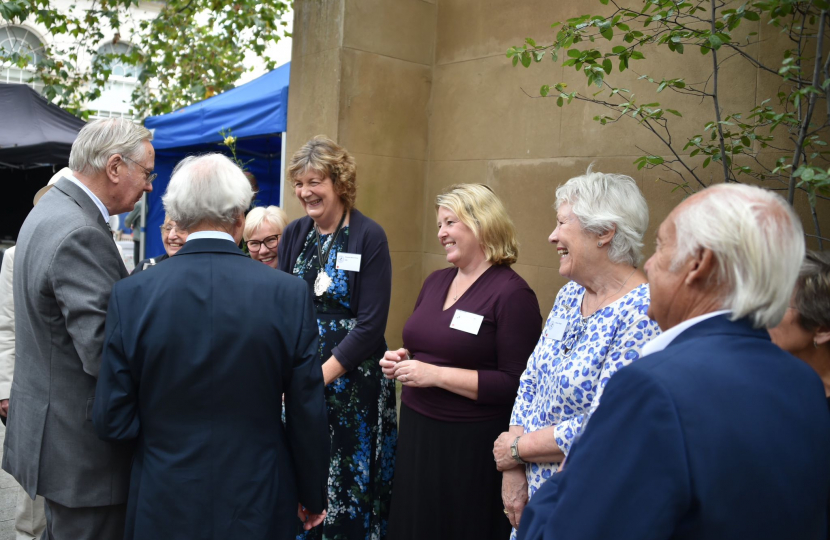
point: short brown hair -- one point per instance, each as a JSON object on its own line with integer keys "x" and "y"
{"x": 325, "y": 156}
{"x": 483, "y": 212}
{"x": 812, "y": 291}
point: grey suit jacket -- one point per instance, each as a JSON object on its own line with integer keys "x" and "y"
{"x": 65, "y": 266}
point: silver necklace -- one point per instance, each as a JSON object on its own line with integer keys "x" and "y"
{"x": 323, "y": 281}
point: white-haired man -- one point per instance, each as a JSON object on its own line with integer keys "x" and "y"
{"x": 64, "y": 268}
{"x": 716, "y": 433}
{"x": 197, "y": 357}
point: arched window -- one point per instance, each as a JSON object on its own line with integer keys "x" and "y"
{"x": 16, "y": 39}
{"x": 116, "y": 94}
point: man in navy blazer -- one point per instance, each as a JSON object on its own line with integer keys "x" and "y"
{"x": 197, "y": 356}
{"x": 716, "y": 433}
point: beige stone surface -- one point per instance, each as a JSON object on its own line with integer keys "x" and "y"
{"x": 406, "y": 284}
{"x": 383, "y": 105}
{"x": 390, "y": 190}
{"x": 469, "y": 29}
{"x": 480, "y": 111}
{"x": 318, "y": 27}
{"x": 403, "y": 29}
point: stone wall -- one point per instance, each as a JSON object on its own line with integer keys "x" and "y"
{"x": 422, "y": 94}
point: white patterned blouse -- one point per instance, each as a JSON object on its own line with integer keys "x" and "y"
{"x": 572, "y": 363}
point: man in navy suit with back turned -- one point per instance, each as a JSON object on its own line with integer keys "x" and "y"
{"x": 716, "y": 433}
{"x": 197, "y": 355}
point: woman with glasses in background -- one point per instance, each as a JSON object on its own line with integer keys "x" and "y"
{"x": 263, "y": 229}
{"x": 173, "y": 237}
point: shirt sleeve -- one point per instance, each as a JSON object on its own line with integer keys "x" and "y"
{"x": 623, "y": 350}
{"x": 518, "y": 326}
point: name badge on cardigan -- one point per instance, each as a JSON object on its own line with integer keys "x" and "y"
{"x": 349, "y": 262}
{"x": 466, "y": 322}
{"x": 557, "y": 329}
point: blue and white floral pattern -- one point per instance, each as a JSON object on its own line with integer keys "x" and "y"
{"x": 361, "y": 407}
{"x": 565, "y": 377}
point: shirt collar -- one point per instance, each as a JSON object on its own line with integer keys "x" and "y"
{"x": 96, "y": 200}
{"x": 664, "y": 340}
{"x": 219, "y": 235}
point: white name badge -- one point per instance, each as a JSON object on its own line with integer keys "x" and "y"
{"x": 349, "y": 262}
{"x": 557, "y": 329}
{"x": 466, "y": 322}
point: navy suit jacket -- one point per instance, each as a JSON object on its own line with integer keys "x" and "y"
{"x": 197, "y": 355}
{"x": 720, "y": 436}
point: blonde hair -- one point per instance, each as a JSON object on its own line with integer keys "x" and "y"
{"x": 272, "y": 214}
{"x": 478, "y": 208}
{"x": 328, "y": 158}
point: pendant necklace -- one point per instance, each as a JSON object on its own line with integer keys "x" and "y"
{"x": 323, "y": 281}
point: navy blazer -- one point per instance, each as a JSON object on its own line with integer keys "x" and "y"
{"x": 369, "y": 304}
{"x": 720, "y": 436}
{"x": 197, "y": 355}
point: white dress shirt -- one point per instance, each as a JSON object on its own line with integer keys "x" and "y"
{"x": 219, "y": 235}
{"x": 664, "y": 340}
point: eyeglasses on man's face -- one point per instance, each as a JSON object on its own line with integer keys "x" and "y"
{"x": 150, "y": 175}
{"x": 270, "y": 242}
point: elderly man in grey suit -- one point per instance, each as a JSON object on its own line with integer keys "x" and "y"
{"x": 65, "y": 266}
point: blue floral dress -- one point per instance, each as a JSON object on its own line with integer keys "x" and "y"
{"x": 565, "y": 377}
{"x": 362, "y": 417}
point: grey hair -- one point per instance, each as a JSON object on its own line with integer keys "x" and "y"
{"x": 604, "y": 202}
{"x": 812, "y": 291}
{"x": 99, "y": 140}
{"x": 272, "y": 214}
{"x": 208, "y": 188}
{"x": 757, "y": 240}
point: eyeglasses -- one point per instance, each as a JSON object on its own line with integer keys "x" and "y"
{"x": 150, "y": 174}
{"x": 169, "y": 228}
{"x": 270, "y": 242}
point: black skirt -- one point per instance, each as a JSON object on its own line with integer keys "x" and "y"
{"x": 446, "y": 484}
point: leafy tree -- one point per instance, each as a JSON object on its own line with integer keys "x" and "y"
{"x": 792, "y": 124}
{"x": 191, "y": 50}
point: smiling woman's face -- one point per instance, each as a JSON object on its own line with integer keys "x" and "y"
{"x": 172, "y": 237}
{"x": 265, "y": 255}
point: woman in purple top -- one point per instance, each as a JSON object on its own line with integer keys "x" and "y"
{"x": 467, "y": 343}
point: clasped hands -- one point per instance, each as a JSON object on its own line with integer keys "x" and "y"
{"x": 398, "y": 365}
{"x": 309, "y": 519}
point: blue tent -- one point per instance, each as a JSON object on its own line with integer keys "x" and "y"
{"x": 256, "y": 113}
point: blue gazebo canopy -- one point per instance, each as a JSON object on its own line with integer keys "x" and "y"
{"x": 255, "y": 113}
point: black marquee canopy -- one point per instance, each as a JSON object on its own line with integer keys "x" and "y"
{"x": 33, "y": 132}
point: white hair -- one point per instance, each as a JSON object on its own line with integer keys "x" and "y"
{"x": 99, "y": 140}
{"x": 272, "y": 214}
{"x": 757, "y": 240}
{"x": 209, "y": 188}
{"x": 604, "y": 202}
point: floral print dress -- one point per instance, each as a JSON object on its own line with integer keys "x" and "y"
{"x": 361, "y": 408}
{"x": 565, "y": 377}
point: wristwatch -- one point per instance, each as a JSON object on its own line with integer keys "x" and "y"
{"x": 514, "y": 451}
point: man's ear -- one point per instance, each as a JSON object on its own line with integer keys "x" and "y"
{"x": 822, "y": 335}
{"x": 703, "y": 266}
{"x": 111, "y": 167}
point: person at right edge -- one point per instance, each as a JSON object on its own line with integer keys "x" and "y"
{"x": 715, "y": 433}
{"x": 466, "y": 345}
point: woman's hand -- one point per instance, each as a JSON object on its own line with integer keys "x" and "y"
{"x": 514, "y": 494}
{"x": 417, "y": 374}
{"x": 389, "y": 362}
{"x": 502, "y": 454}
{"x": 309, "y": 520}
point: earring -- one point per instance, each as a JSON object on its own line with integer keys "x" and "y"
{"x": 815, "y": 344}
{"x": 599, "y": 244}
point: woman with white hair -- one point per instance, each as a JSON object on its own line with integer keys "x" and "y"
{"x": 598, "y": 324}
{"x": 263, "y": 229}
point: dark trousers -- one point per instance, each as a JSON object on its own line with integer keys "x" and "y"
{"x": 92, "y": 523}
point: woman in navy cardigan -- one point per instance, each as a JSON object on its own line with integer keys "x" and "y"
{"x": 336, "y": 249}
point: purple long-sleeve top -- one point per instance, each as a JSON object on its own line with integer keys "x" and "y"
{"x": 499, "y": 352}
